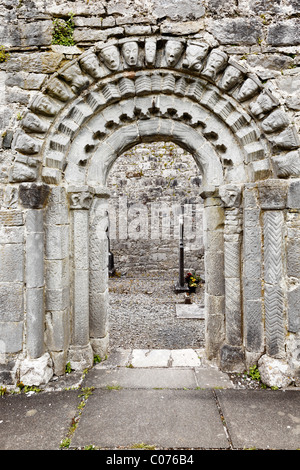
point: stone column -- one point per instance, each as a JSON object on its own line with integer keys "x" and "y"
{"x": 98, "y": 262}
{"x": 232, "y": 354}
{"x": 213, "y": 225}
{"x": 273, "y": 197}
{"x": 80, "y": 352}
{"x": 33, "y": 197}
{"x": 252, "y": 273}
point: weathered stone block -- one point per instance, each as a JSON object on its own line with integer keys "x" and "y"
{"x": 237, "y": 31}
{"x": 11, "y": 302}
{"x": 232, "y": 359}
{"x": 293, "y": 195}
{"x": 293, "y": 257}
{"x": 11, "y": 334}
{"x": 35, "y": 260}
{"x": 57, "y": 299}
{"x": 57, "y": 242}
{"x": 285, "y": 33}
{"x": 253, "y": 326}
{"x": 36, "y": 62}
{"x": 11, "y": 263}
{"x": 214, "y": 272}
{"x": 272, "y": 194}
{"x": 293, "y": 298}
{"x": 57, "y": 274}
{"x": 252, "y": 289}
{"x": 57, "y": 331}
{"x": 98, "y": 315}
{"x": 35, "y": 321}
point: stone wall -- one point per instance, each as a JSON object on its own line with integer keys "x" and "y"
{"x": 153, "y": 182}
{"x": 244, "y": 115}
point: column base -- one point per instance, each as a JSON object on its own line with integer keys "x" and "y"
{"x": 80, "y": 357}
{"x": 100, "y": 346}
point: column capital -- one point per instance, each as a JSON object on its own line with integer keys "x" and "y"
{"x": 33, "y": 195}
{"x": 80, "y": 197}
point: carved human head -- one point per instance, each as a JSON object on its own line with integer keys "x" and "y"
{"x": 173, "y": 51}
{"x": 130, "y": 51}
{"x": 150, "y": 51}
{"x": 215, "y": 63}
{"x": 111, "y": 57}
{"x": 230, "y": 78}
{"x": 249, "y": 88}
{"x": 195, "y": 53}
{"x": 90, "y": 64}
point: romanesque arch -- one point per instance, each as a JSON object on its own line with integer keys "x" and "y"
{"x": 144, "y": 89}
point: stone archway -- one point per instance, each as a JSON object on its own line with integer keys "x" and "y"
{"x": 100, "y": 105}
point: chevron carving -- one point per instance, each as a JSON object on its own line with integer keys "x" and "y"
{"x": 274, "y": 298}
{"x": 273, "y": 223}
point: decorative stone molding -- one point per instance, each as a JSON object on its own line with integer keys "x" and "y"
{"x": 33, "y": 195}
{"x": 182, "y": 67}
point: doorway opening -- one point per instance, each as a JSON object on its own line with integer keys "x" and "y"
{"x": 150, "y": 187}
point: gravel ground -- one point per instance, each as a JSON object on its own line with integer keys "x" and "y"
{"x": 142, "y": 315}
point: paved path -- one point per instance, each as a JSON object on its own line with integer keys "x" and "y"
{"x": 160, "y": 398}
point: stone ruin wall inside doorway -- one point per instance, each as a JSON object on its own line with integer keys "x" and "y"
{"x": 224, "y": 88}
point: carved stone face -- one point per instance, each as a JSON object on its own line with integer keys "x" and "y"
{"x": 32, "y": 123}
{"x": 150, "y": 51}
{"x": 59, "y": 90}
{"x": 111, "y": 57}
{"x": 26, "y": 144}
{"x": 275, "y": 121}
{"x": 230, "y": 195}
{"x": 173, "y": 52}
{"x": 195, "y": 53}
{"x": 263, "y": 104}
{"x": 215, "y": 63}
{"x": 43, "y": 105}
{"x": 90, "y": 65}
{"x": 248, "y": 89}
{"x": 130, "y": 52}
{"x": 230, "y": 78}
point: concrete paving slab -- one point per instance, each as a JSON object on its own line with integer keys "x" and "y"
{"x": 142, "y": 378}
{"x": 164, "y": 418}
{"x": 190, "y": 311}
{"x": 36, "y": 422}
{"x": 265, "y": 419}
{"x": 150, "y": 357}
{"x": 212, "y": 378}
{"x": 184, "y": 358}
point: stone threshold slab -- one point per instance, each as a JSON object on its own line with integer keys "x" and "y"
{"x": 153, "y": 358}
